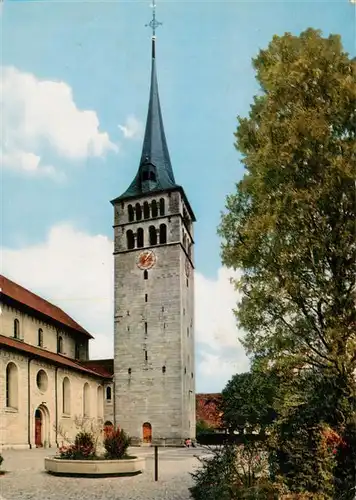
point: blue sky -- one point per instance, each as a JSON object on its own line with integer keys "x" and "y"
{"x": 95, "y": 56}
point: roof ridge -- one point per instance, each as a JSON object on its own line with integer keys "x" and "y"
{"x": 18, "y": 292}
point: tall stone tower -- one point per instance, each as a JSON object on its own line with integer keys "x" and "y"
{"x": 154, "y": 294}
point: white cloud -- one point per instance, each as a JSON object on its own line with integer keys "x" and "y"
{"x": 41, "y": 114}
{"x": 74, "y": 270}
{"x": 221, "y": 355}
{"x": 29, "y": 163}
{"x": 132, "y": 129}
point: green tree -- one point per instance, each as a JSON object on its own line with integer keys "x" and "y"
{"x": 248, "y": 401}
{"x": 290, "y": 225}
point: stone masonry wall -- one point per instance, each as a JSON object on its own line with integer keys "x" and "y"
{"x": 153, "y": 349}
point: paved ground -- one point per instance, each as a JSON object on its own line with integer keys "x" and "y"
{"x": 26, "y": 479}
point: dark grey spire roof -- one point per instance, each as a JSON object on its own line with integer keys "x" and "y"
{"x": 155, "y": 171}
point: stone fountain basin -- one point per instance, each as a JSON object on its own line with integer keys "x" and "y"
{"x": 95, "y": 468}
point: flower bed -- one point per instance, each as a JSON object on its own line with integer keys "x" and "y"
{"x": 81, "y": 458}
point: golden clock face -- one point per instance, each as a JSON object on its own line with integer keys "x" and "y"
{"x": 146, "y": 259}
{"x": 187, "y": 268}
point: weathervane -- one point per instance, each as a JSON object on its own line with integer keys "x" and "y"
{"x": 153, "y": 24}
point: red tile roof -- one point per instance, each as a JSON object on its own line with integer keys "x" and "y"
{"x": 207, "y": 409}
{"x": 52, "y": 357}
{"x": 36, "y": 303}
{"x": 100, "y": 365}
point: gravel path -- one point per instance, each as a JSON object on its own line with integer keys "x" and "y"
{"x": 26, "y": 479}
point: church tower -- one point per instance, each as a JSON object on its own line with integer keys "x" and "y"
{"x": 154, "y": 294}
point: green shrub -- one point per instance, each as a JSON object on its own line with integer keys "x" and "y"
{"x": 203, "y": 427}
{"x": 116, "y": 443}
{"x": 232, "y": 473}
{"x": 82, "y": 449}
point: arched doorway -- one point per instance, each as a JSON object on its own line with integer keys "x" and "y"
{"x": 38, "y": 429}
{"x": 42, "y": 427}
{"x": 147, "y": 432}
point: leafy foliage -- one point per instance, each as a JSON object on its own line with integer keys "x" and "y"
{"x": 234, "y": 472}
{"x": 82, "y": 449}
{"x": 291, "y": 224}
{"x": 116, "y": 443}
{"x": 202, "y": 427}
{"x": 248, "y": 401}
{"x": 290, "y": 227}
{"x": 208, "y": 409}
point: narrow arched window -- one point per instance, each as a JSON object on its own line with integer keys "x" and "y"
{"x": 154, "y": 208}
{"x": 145, "y": 274}
{"x": 16, "y": 329}
{"x": 161, "y": 206}
{"x": 108, "y": 393}
{"x": 100, "y": 401}
{"x": 40, "y": 337}
{"x": 153, "y": 235}
{"x": 146, "y": 210}
{"x": 138, "y": 211}
{"x": 86, "y": 400}
{"x": 162, "y": 233}
{"x": 12, "y": 386}
{"x": 60, "y": 345}
{"x": 131, "y": 213}
{"x": 130, "y": 239}
{"x": 140, "y": 237}
{"x": 66, "y": 396}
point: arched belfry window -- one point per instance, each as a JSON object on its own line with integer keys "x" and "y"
{"x": 138, "y": 211}
{"x": 146, "y": 210}
{"x": 16, "y": 329}
{"x": 140, "y": 237}
{"x": 152, "y": 176}
{"x": 153, "y": 235}
{"x": 161, "y": 206}
{"x": 131, "y": 213}
{"x": 130, "y": 239}
{"x": 154, "y": 208}
{"x": 162, "y": 233}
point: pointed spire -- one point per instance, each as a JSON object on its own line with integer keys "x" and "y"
{"x": 155, "y": 171}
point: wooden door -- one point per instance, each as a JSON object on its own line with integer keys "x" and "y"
{"x": 147, "y": 432}
{"x": 38, "y": 429}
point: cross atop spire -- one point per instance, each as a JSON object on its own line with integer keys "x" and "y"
{"x": 155, "y": 171}
{"x": 153, "y": 23}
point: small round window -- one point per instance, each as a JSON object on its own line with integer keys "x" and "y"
{"x": 42, "y": 380}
